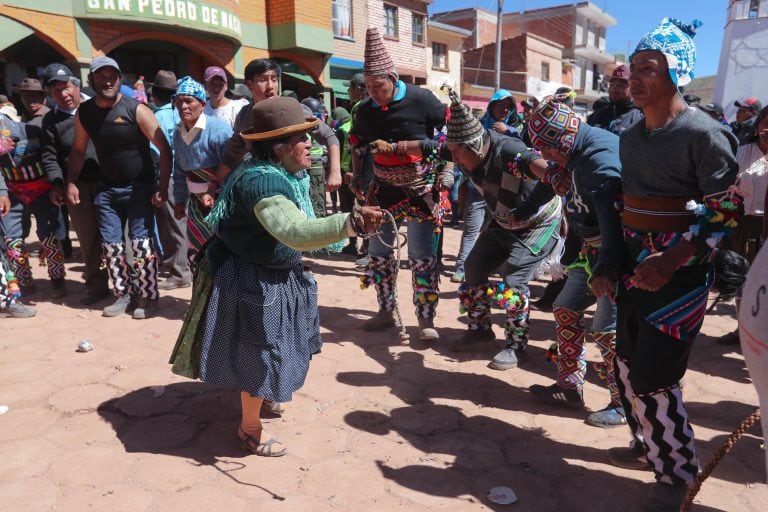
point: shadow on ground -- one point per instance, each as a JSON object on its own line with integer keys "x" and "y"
{"x": 191, "y": 420}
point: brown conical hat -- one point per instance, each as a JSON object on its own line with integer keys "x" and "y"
{"x": 463, "y": 126}
{"x": 377, "y": 59}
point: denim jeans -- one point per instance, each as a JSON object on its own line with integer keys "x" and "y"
{"x": 474, "y": 217}
{"x": 575, "y": 296}
{"x": 48, "y": 218}
{"x": 494, "y": 246}
{"x": 421, "y": 240}
{"x": 130, "y": 203}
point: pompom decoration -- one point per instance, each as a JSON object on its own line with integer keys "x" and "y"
{"x": 552, "y": 353}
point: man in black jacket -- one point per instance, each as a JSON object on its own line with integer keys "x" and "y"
{"x": 621, "y": 113}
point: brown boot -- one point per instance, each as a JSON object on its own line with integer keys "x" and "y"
{"x": 382, "y": 320}
{"x": 427, "y": 331}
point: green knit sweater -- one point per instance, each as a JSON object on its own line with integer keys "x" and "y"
{"x": 261, "y": 215}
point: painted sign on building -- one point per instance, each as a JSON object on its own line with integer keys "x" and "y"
{"x": 187, "y": 13}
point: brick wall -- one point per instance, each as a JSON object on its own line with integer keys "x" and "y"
{"x": 316, "y": 13}
{"x": 251, "y": 11}
{"x": 56, "y": 31}
{"x": 354, "y": 49}
{"x": 481, "y": 23}
{"x": 405, "y": 54}
{"x": 479, "y": 65}
{"x": 558, "y": 29}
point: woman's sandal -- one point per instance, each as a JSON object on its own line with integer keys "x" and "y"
{"x": 251, "y": 444}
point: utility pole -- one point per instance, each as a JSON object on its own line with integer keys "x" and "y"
{"x": 497, "y": 80}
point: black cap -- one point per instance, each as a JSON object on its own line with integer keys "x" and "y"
{"x": 712, "y": 108}
{"x": 691, "y": 99}
{"x": 56, "y": 73}
{"x": 356, "y": 81}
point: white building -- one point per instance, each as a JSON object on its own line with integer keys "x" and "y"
{"x": 744, "y": 55}
{"x": 445, "y": 44}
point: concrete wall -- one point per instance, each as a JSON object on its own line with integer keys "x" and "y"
{"x": 452, "y": 76}
{"x": 743, "y": 62}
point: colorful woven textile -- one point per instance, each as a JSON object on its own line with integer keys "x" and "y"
{"x": 553, "y": 124}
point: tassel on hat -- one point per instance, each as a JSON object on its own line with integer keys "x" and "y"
{"x": 377, "y": 59}
{"x": 463, "y": 125}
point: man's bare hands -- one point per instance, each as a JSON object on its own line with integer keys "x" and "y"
{"x": 604, "y": 286}
{"x": 381, "y": 146}
{"x": 5, "y": 205}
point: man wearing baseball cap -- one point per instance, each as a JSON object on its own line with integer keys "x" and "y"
{"x": 121, "y": 129}
{"x": 33, "y": 97}
{"x": 715, "y": 111}
{"x": 620, "y": 113}
{"x": 58, "y": 138}
{"x": 744, "y": 125}
{"x": 218, "y": 105}
{"x": 356, "y": 88}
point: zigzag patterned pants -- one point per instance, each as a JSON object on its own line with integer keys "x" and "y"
{"x": 425, "y": 280}
{"x": 6, "y": 298}
{"x": 141, "y": 279}
{"x": 476, "y": 303}
{"x": 51, "y": 256}
{"x": 380, "y": 273}
{"x": 649, "y": 366}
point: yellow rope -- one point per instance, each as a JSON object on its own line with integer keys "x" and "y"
{"x": 745, "y": 425}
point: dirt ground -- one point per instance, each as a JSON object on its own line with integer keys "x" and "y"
{"x": 377, "y": 426}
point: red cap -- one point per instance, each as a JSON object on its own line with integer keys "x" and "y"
{"x": 620, "y": 72}
{"x": 750, "y": 104}
{"x": 214, "y": 71}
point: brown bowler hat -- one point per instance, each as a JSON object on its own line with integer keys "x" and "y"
{"x": 30, "y": 84}
{"x": 276, "y": 118}
{"x": 164, "y": 80}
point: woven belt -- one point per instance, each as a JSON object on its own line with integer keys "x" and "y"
{"x": 657, "y": 214}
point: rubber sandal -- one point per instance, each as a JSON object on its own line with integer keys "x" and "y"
{"x": 261, "y": 449}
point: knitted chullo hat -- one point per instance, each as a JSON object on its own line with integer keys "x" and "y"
{"x": 463, "y": 126}
{"x": 377, "y": 59}
{"x": 188, "y": 86}
{"x": 554, "y": 124}
{"x": 674, "y": 39}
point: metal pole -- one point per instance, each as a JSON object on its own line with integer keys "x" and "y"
{"x": 497, "y": 80}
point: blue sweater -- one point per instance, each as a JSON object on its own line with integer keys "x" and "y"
{"x": 205, "y": 151}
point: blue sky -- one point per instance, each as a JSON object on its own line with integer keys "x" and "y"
{"x": 634, "y": 18}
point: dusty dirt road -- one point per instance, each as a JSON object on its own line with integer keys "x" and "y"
{"x": 378, "y": 426}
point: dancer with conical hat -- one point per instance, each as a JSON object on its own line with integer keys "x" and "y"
{"x": 407, "y": 186}
{"x": 524, "y": 227}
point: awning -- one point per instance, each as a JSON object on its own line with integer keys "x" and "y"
{"x": 12, "y": 32}
{"x": 355, "y": 65}
{"x": 339, "y": 89}
{"x": 300, "y": 76}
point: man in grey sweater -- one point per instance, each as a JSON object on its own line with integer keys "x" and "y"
{"x": 678, "y": 168}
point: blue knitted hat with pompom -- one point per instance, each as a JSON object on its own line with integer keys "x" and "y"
{"x": 674, "y": 39}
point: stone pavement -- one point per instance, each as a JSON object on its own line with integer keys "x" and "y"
{"x": 377, "y": 426}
